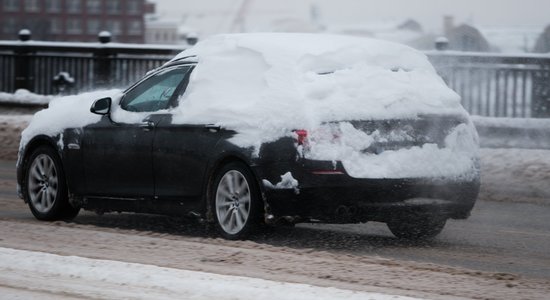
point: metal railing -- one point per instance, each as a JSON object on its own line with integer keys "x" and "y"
{"x": 498, "y": 85}
{"x": 490, "y": 84}
{"x": 32, "y": 65}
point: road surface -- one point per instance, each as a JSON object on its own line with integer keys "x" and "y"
{"x": 502, "y": 251}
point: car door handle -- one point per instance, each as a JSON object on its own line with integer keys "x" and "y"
{"x": 147, "y": 125}
{"x": 212, "y": 128}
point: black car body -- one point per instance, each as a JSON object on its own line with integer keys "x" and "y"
{"x": 152, "y": 165}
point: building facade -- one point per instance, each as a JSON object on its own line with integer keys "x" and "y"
{"x": 75, "y": 20}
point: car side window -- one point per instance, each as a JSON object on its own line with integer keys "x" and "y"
{"x": 155, "y": 92}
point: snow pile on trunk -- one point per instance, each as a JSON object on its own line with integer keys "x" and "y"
{"x": 456, "y": 160}
{"x": 265, "y": 85}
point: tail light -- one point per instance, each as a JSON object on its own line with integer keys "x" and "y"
{"x": 301, "y": 137}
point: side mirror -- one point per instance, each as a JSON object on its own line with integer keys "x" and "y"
{"x": 101, "y": 106}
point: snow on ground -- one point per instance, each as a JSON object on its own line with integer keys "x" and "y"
{"x": 94, "y": 278}
{"x": 521, "y": 123}
{"x": 10, "y": 132}
{"x": 515, "y": 175}
{"x": 24, "y": 97}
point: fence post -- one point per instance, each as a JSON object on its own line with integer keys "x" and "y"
{"x": 102, "y": 61}
{"x": 540, "y": 105}
{"x": 24, "y": 75}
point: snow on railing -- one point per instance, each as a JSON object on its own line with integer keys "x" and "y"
{"x": 491, "y": 84}
{"x": 495, "y": 84}
{"x": 33, "y": 65}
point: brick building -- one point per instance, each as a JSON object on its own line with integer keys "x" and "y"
{"x": 75, "y": 20}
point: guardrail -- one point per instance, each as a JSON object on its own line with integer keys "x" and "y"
{"x": 497, "y": 85}
{"x": 34, "y": 65}
{"x": 492, "y": 85}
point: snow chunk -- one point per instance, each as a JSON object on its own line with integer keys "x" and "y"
{"x": 287, "y": 182}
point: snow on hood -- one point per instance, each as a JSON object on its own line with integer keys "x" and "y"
{"x": 65, "y": 112}
{"x": 273, "y": 83}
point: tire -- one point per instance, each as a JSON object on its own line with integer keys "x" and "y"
{"x": 235, "y": 201}
{"x": 45, "y": 188}
{"x": 423, "y": 227}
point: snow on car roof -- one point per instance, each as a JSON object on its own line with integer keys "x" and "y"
{"x": 264, "y": 86}
{"x": 276, "y": 82}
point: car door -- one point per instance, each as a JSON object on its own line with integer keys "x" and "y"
{"x": 117, "y": 150}
{"x": 181, "y": 155}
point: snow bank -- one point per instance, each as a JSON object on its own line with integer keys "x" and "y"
{"x": 65, "y": 112}
{"x": 94, "y": 278}
{"x": 23, "y": 96}
{"x": 516, "y": 123}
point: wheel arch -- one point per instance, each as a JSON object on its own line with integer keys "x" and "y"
{"x": 216, "y": 165}
{"x": 30, "y": 147}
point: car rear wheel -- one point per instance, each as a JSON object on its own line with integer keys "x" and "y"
{"x": 417, "y": 228}
{"x": 235, "y": 201}
{"x": 45, "y": 188}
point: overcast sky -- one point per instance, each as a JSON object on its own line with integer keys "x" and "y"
{"x": 484, "y": 13}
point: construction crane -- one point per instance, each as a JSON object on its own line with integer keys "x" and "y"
{"x": 238, "y": 24}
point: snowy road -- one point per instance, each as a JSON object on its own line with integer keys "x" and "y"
{"x": 41, "y": 274}
{"x": 500, "y": 252}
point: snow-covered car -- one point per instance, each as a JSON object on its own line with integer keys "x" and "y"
{"x": 247, "y": 129}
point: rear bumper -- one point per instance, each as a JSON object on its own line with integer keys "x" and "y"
{"x": 340, "y": 198}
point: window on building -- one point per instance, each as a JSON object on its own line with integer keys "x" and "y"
{"x": 134, "y": 28}
{"x": 93, "y": 26}
{"x": 53, "y": 5}
{"x": 32, "y": 6}
{"x": 11, "y": 5}
{"x": 93, "y": 6}
{"x": 114, "y": 7}
{"x": 55, "y": 25}
{"x": 133, "y": 7}
{"x": 10, "y": 26}
{"x": 74, "y": 6}
{"x": 74, "y": 26}
{"x": 114, "y": 26}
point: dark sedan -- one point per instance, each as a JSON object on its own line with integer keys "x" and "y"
{"x": 150, "y": 163}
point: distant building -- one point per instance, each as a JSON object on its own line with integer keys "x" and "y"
{"x": 543, "y": 42}
{"x": 161, "y": 31}
{"x": 511, "y": 40}
{"x": 397, "y": 31}
{"x": 75, "y": 20}
{"x": 464, "y": 37}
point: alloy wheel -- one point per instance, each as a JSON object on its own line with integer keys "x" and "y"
{"x": 233, "y": 202}
{"x": 43, "y": 183}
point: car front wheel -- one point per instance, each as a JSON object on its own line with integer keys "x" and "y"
{"x": 417, "y": 227}
{"x": 235, "y": 201}
{"x": 45, "y": 189}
